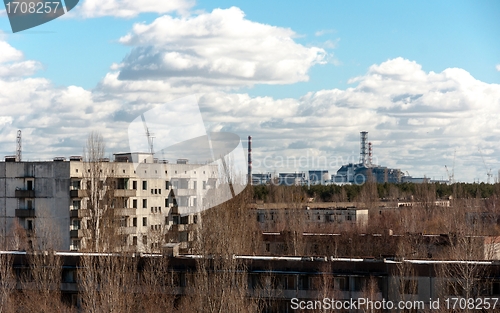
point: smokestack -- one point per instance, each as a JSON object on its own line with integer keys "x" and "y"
{"x": 370, "y": 154}
{"x": 249, "y": 160}
{"x": 363, "y": 153}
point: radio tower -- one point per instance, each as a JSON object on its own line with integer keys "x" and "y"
{"x": 363, "y": 153}
{"x": 19, "y": 147}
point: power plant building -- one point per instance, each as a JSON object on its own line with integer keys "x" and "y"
{"x": 365, "y": 170}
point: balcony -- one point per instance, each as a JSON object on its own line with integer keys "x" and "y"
{"x": 125, "y": 193}
{"x": 124, "y": 211}
{"x": 21, "y": 193}
{"x": 23, "y": 213}
{"x": 78, "y": 233}
{"x": 79, "y": 213}
{"x": 179, "y": 227}
{"x": 127, "y": 230}
{"x": 78, "y": 193}
{"x": 184, "y": 192}
{"x": 182, "y": 210}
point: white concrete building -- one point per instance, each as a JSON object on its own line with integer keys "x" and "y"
{"x": 148, "y": 197}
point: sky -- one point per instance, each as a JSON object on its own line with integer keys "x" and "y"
{"x": 303, "y": 78}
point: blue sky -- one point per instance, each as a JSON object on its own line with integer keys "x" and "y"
{"x": 340, "y": 51}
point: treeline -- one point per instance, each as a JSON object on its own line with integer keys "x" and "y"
{"x": 390, "y": 191}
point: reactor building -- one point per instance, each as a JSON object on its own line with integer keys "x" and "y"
{"x": 365, "y": 170}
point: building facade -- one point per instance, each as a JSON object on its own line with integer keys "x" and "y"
{"x": 145, "y": 197}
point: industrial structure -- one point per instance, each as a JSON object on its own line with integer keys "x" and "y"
{"x": 365, "y": 170}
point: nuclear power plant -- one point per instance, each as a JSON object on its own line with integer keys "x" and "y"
{"x": 353, "y": 173}
{"x": 365, "y": 170}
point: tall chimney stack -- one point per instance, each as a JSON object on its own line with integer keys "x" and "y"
{"x": 249, "y": 160}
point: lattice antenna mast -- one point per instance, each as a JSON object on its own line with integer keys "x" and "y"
{"x": 149, "y": 135}
{"x": 19, "y": 147}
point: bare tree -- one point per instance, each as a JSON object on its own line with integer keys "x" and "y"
{"x": 108, "y": 283}
{"x": 102, "y": 226}
{"x": 7, "y": 284}
{"x": 41, "y": 283}
{"x": 156, "y": 293}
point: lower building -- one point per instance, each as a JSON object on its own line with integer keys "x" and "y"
{"x": 283, "y": 284}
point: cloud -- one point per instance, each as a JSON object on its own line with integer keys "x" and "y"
{"x": 12, "y": 64}
{"x": 129, "y": 8}
{"x": 54, "y": 120}
{"x": 324, "y": 32}
{"x": 220, "y": 48}
{"x": 416, "y": 119}
{"x": 498, "y": 67}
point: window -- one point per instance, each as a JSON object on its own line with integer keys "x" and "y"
{"x": 144, "y": 221}
{"x": 185, "y": 219}
{"x": 134, "y": 222}
{"x": 29, "y": 184}
{"x": 175, "y": 219}
{"x": 167, "y": 184}
{"x": 29, "y": 204}
{"x": 151, "y": 191}
{"x": 75, "y": 224}
{"x": 195, "y": 219}
{"x": 76, "y": 204}
{"x": 166, "y": 202}
{"x": 194, "y": 202}
{"x": 29, "y": 224}
{"x": 204, "y": 185}
{"x": 195, "y": 185}
{"x": 151, "y": 209}
{"x": 144, "y": 185}
{"x": 134, "y": 185}
{"x": 76, "y": 184}
{"x": 134, "y": 241}
{"x": 410, "y": 286}
{"x": 134, "y": 203}
{"x": 144, "y": 203}
{"x": 145, "y": 240}
{"x": 341, "y": 283}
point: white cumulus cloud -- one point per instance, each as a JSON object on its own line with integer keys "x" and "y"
{"x": 416, "y": 119}
{"x": 498, "y": 67}
{"x": 129, "y": 8}
{"x": 218, "y": 48}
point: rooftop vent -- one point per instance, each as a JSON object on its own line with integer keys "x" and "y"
{"x": 10, "y": 158}
{"x": 182, "y": 161}
{"x": 59, "y": 159}
{"x": 77, "y": 158}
